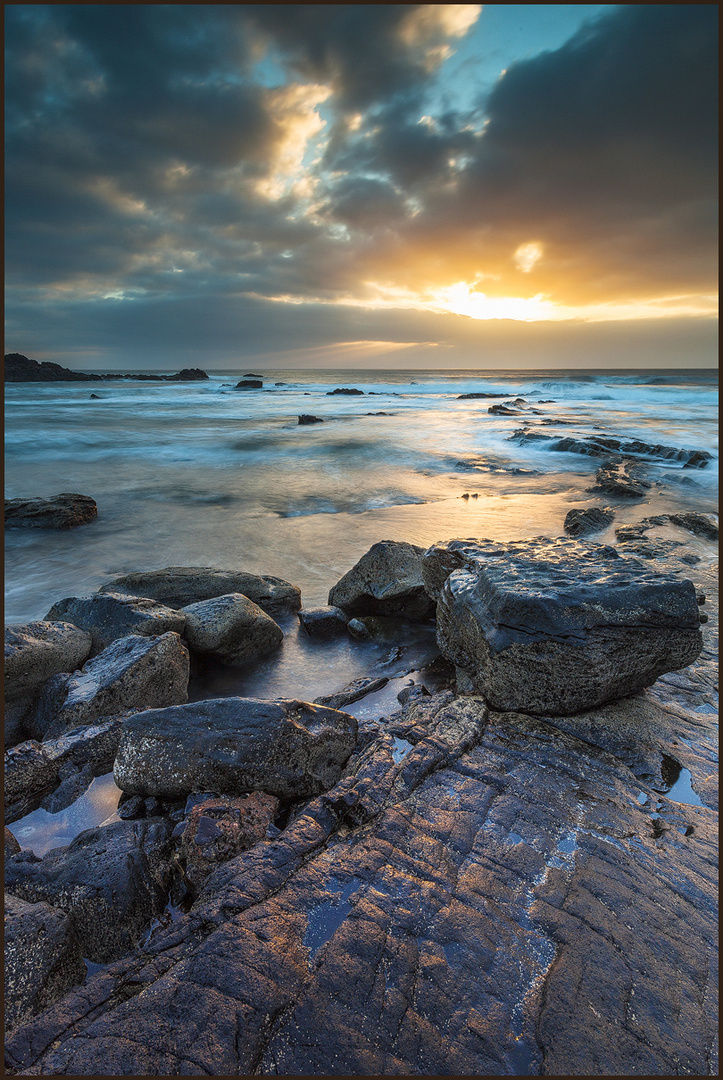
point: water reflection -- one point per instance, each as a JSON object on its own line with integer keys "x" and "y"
{"x": 41, "y": 831}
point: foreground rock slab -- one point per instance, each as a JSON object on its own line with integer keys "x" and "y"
{"x": 591, "y": 520}
{"x": 557, "y": 626}
{"x": 290, "y": 749}
{"x": 109, "y": 616}
{"x": 132, "y": 673}
{"x": 495, "y": 901}
{"x": 64, "y": 511}
{"x": 179, "y": 586}
{"x": 231, "y": 628}
{"x": 385, "y": 581}
{"x": 42, "y": 958}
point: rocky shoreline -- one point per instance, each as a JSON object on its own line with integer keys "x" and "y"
{"x": 512, "y": 872}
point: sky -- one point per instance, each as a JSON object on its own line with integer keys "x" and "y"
{"x": 387, "y": 185}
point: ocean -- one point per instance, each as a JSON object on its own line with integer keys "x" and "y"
{"x": 202, "y": 474}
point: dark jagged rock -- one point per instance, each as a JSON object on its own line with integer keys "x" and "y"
{"x": 187, "y": 375}
{"x": 251, "y": 375}
{"x": 232, "y": 746}
{"x": 42, "y": 958}
{"x": 133, "y": 672}
{"x": 503, "y": 410}
{"x": 467, "y": 397}
{"x": 19, "y": 368}
{"x": 557, "y": 626}
{"x": 109, "y": 616}
{"x": 307, "y": 418}
{"x": 603, "y": 446}
{"x": 585, "y": 522}
{"x": 353, "y": 691}
{"x": 501, "y": 903}
{"x": 12, "y": 847}
{"x": 231, "y": 628}
{"x": 220, "y": 828}
{"x": 323, "y": 622}
{"x": 64, "y": 511}
{"x": 109, "y": 879}
{"x": 179, "y": 586}
{"x": 624, "y": 479}
{"x": 249, "y": 384}
{"x": 385, "y": 581}
{"x": 698, "y": 524}
{"x": 33, "y": 770}
{"x": 343, "y": 390}
{"x": 94, "y": 397}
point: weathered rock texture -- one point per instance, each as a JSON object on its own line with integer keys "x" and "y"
{"x": 323, "y": 622}
{"x": 231, "y": 628}
{"x": 220, "y": 828}
{"x": 385, "y": 581}
{"x": 557, "y": 626}
{"x": 110, "y": 880}
{"x": 33, "y": 770}
{"x": 63, "y": 511}
{"x": 42, "y": 958}
{"x": 179, "y": 586}
{"x": 109, "y": 616}
{"x": 134, "y": 672}
{"x": 287, "y": 748}
{"x": 494, "y": 901}
{"x": 584, "y": 522}
{"x": 622, "y": 478}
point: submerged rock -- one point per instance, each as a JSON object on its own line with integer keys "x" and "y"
{"x": 307, "y": 418}
{"x": 557, "y": 626}
{"x": 585, "y": 522}
{"x": 231, "y": 628}
{"x": 353, "y": 691}
{"x": 249, "y": 384}
{"x": 43, "y": 959}
{"x": 109, "y": 616}
{"x": 287, "y": 748}
{"x": 109, "y": 879}
{"x": 624, "y": 479}
{"x": 385, "y": 581}
{"x": 344, "y": 390}
{"x": 179, "y": 586}
{"x": 64, "y": 511}
{"x": 134, "y": 672}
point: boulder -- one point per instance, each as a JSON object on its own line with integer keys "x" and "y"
{"x": 249, "y": 384}
{"x": 385, "y": 581}
{"x": 63, "y": 511}
{"x": 231, "y": 628}
{"x": 12, "y": 847}
{"x": 557, "y": 626}
{"x": 109, "y": 879}
{"x": 287, "y": 748}
{"x": 621, "y": 478}
{"x": 344, "y": 390}
{"x": 585, "y": 522}
{"x": 187, "y": 375}
{"x": 179, "y": 586}
{"x": 109, "y": 616}
{"x": 34, "y": 769}
{"x": 220, "y": 827}
{"x": 42, "y": 958}
{"x": 323, "y": 622}
{"x": 306, "y": 418}
{"x": 19, "y": 368}
{"x": 34, "y": 651}
{"x": 133, "y": 672}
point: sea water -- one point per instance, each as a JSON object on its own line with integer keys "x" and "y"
{"x": 203, "y": 474}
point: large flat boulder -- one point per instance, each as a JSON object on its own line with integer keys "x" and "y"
{"x": 42, "y": 958}
{"x": 557, "y": 626}
{"x": 63, "y": 511}
{"x": 179, "y": 586}
{"x": 287, "y": 748}
{"x": 231, "y": 628}
{"x": 385, "y": 581}
{"x": 109, "y": 616}
{"x": 109, "y": 879}
{"x": 133, "y": 673}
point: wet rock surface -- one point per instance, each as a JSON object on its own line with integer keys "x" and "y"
{"x": 230, "y": 628}
{"x": 64, "y": 511}
{"x": 587, "y": 522}
{"x": 221, "y": 827}
{"x": 134, "y": 672}
{"x": 623, "y": 479}
{"x": 109, "y": 616}
{"x": 605, "y": 446}
{"x": 110, "y": 880}
{"x": 287, "y": 748}
{"x": 179, "y": 586}
{"x": 323, "y": 622}
{"x": 557, "y": 625}
{"x": 385, "y": 581}
{"x": 43, "y": 959}
{"x": 353, "y": 691}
